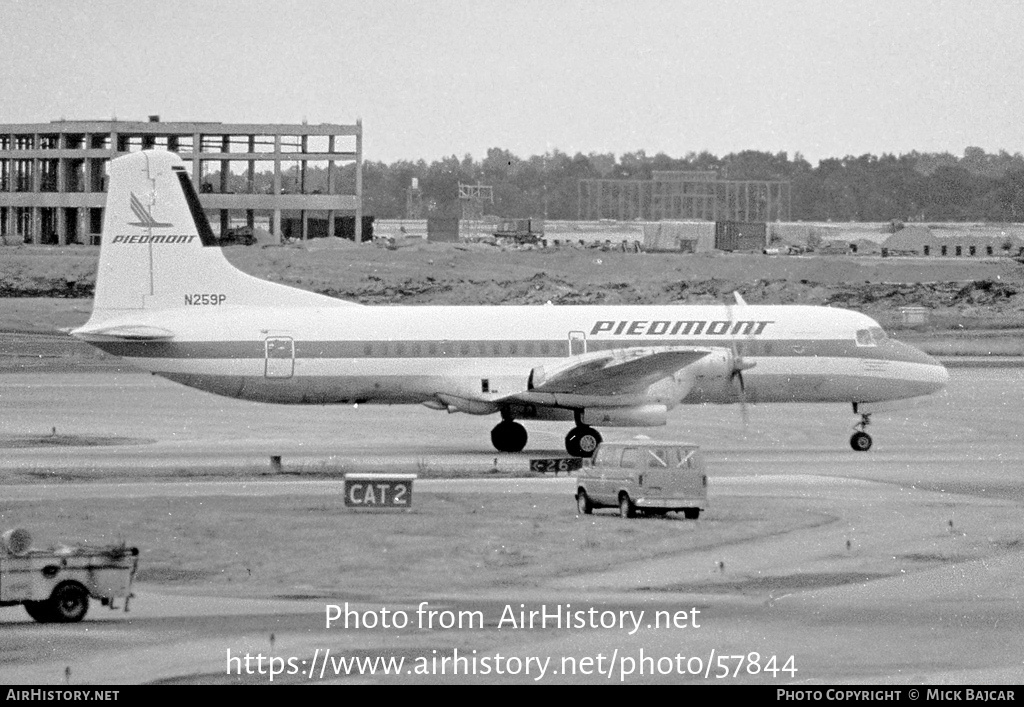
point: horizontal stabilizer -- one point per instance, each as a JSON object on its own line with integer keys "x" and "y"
{"x": 134, "y": 332}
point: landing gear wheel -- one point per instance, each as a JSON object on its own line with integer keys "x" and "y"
{"x": 626, "y": 507}
{"x": 582, "y": 441}
{"x": 68, "y": 603}
{"x": 583, "y": 503}
{"x": 508, "y": 436}
{"x": 691, "y": 513}
{"x": 860, "y": 441}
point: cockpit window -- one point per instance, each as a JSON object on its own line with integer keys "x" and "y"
{"x": 878, "y": 334}
{"x": 864, "y": 338}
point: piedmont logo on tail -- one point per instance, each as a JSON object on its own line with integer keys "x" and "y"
{"x": 144, "y": 215}
{"x": 176, "y": 307}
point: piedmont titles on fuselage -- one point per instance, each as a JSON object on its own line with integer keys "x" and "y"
{"x": 143, "y": 240}
{"x": 643, "y": 327}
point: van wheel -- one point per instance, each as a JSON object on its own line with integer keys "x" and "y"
{"x": 691, "y": 513}
{"x": 626, "y": 507}
{"x": 69, "y": 602}
{"x": 39, "y": 611}
{"x": 583, "y": 503}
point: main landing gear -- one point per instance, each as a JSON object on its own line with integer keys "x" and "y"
{"x": 582, "y": 441}
{"x": 509, "y": 436}
{"x": 861, "y": 440}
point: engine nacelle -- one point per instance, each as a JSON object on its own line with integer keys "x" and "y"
{"x": 642, "y": 416}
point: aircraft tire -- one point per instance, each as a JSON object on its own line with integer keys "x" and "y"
{"x": 860, "y": 441}
{"x": 508, "y": 436}
{"x": 582, "y": 441}
{"x": 691, "y": 513}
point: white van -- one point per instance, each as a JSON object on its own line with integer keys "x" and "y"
{"x": 646, "y": 475}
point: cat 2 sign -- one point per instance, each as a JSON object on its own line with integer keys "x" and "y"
{"x": 378, "y": 490}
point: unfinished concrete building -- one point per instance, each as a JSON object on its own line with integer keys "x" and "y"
{"x": 53, "y": 175}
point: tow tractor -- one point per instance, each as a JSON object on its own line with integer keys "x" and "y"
{"x": 54, "y": 584}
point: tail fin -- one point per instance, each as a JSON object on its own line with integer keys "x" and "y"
{"x": 158, "y": 251}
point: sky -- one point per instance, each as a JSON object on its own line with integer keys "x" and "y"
{"x": 433, "y": 78}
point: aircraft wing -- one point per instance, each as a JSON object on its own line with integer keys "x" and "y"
{"x": 619, "y": 378}
{"x": 613, "y": 373}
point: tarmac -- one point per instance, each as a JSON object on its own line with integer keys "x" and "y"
{"x": 897, "y": 566}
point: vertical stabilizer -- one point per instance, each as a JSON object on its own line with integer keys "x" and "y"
{"x": 158, "y": 251}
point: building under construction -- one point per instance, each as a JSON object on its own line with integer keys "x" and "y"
{"x": 53, "y": 175}
{"x": 683, "y": 196}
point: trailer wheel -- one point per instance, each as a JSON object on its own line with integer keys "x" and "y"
{"x": 39, "y": 610}
{"x": 69, "y": 602}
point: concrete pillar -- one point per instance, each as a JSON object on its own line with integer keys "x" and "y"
{"x": 225, "y": 146}
{"x": 35, "y": 226}
{"x": 225, "y": 221}
{"x": 305, "y": 224}
{"x": 250, "y": 218}
{"x": 251, "y": 174}
{"x": 276, "y": 223}
{"x": 83, "y": 225}
{"x": 330, "y": 166}
{"x": 330, "y": 223}
{"x": 62, "y": 226}
{"x": 197, "y": 173}
{"x": 359, "y": 180}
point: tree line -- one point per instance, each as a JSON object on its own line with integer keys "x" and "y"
{"x": 911, "y": 187}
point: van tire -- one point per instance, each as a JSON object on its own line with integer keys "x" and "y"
{"x": 626, "y": 507}
{"x": 583, "y": 504}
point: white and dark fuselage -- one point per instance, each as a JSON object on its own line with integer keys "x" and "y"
{"x": 411, "y": 354}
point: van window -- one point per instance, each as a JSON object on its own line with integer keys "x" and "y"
{"x": 606, "y": 456}
{"x": 629, "y": 458}
{"x": 657, "y": 458}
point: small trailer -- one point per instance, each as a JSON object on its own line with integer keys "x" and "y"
{"x": 55, "y": 584}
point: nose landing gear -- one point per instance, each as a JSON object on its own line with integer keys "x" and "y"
{"x": 861, "y": 440}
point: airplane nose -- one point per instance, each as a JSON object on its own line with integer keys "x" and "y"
{"x": 934, "y": 374}
{"x": 938, "y": 374}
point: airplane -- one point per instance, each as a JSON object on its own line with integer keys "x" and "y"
{"x": 168, "y": 301}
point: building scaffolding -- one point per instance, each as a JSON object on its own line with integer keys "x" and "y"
{"x": 671, "y": 196}
{"x": 473, "y": 197}
{"x": 53, "y": 176}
